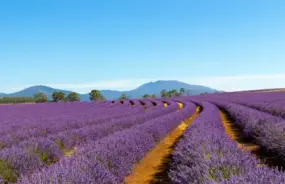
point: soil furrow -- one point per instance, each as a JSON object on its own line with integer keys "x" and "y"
{"x": 150, "y": 168}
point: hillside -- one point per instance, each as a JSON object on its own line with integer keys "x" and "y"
{"x": 2, "y": 94}
{"x": 148, "y": 88}
{"x": 156, "y": 87}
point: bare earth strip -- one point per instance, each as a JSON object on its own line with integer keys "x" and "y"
{"x": 234, "y": 135}
{"x": 146, "y": 169}
{"x": 247, "y": 147}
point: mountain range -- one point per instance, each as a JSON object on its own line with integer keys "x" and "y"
{"x": 147, "y": 88}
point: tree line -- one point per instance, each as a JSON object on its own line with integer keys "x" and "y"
{"x": 57, "y": 97}
{"x": 13, "y": 100}
{"x": 173, "y": 93}
{"x": 94, "y": 95}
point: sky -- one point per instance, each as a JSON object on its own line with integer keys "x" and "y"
{"x": 82, "y": 45}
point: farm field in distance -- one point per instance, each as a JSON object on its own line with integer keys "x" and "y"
{"x": 224, "y": 138}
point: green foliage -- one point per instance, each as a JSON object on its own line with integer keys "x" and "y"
{"x": 96, "y": 95}
{"x": 172, "y": 93}
{"x": 7, "y": 172}
{"x": 146, "y": 96}
{"x": 46, "y": 157}
{"x": 219, "y": 173}
{"x": 73, "y": 97}
{"x": 62, "y": 147}
{"x": 149, "y": 96}
{"x": 208, "y": 156}
{"x": 164, "y": 93}
{"x": 123, "y": 97}
{"x": 15, "y": 100}
{"x": 58, "y": 96}
{"x": 182, "y": 91}
{"x": 40, "y": 97}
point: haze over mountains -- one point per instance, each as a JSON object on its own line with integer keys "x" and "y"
{"x": 147, "y": 88}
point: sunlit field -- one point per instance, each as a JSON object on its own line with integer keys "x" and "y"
{"x": 216, "y": 138}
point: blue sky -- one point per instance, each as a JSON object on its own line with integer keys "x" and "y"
{"x": 111, "y": 44}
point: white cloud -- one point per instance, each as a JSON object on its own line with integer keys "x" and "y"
{"x": 226, "y": 83}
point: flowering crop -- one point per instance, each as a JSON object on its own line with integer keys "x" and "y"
{"x": 207, "y": 155}
{"x": 116, "y": 154}
{"x": 102, "y": 142}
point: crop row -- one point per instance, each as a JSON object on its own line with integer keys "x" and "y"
{"x": 110, "y": 159}
{"x": 35, "y": 153}
{"x": 206, "y": 154}
{"x": 266, "y": 130}
{"x": 85, "y": 115}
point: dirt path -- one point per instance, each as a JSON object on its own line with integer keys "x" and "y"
{"x": 233, "y": 134}
{"x": 146, "y": 169}
{"x": 181, "y": 106}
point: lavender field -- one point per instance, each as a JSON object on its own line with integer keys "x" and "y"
{"x": 224, "y": 138}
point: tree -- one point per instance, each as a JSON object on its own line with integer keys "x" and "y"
{"x": 147, "y": 96}
{"x": 123, "y": 97}
{"x": 153, "y": 96}
{"x": 96, "y": 95}
{"x": 173, "y": 93}
{"x": 164, "y": 93}
{"x": 73, "y": 97}
{"x": 169, "y": 93}
{"x": 182, "y": 91}
{"x": 58, "y": 96}
{"x": 40, "y": 97}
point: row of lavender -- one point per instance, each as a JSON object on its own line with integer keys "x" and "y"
{"x": 213, "y": 158}
{"x": 19, "y": 117}
{"x": 270, "y": 102}
{"x": 259, "y": 123}
{"x": 25, "y": 151}
{"x": 75, "y": 116}
{"x": 263, "y": 124}
{"x": 111, "y": 159}
{"x": 262, "y": 128}
{"x": 207, "y": 155}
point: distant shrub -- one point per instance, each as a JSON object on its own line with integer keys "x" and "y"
{"x": 73, "y": 97}
{"x": 58, "y": 96}
{"x": 96, "y": 95}
{"x": 15, "y": 100}
{"x": 123, "y": 97}
{"x": 40, "y": 97}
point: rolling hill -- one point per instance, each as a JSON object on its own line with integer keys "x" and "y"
{"x": 2, "y": 94}
{"x": 148, "y": 88}
{"x": 156, "y": 87}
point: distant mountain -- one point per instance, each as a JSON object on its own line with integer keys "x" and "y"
{"x": 29, "y": 92}
{"x": 36, "y": 89}
{"x": 148, "y": 88}
{"x": 2, "y": 94}
{"x": 158, "y": 86}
